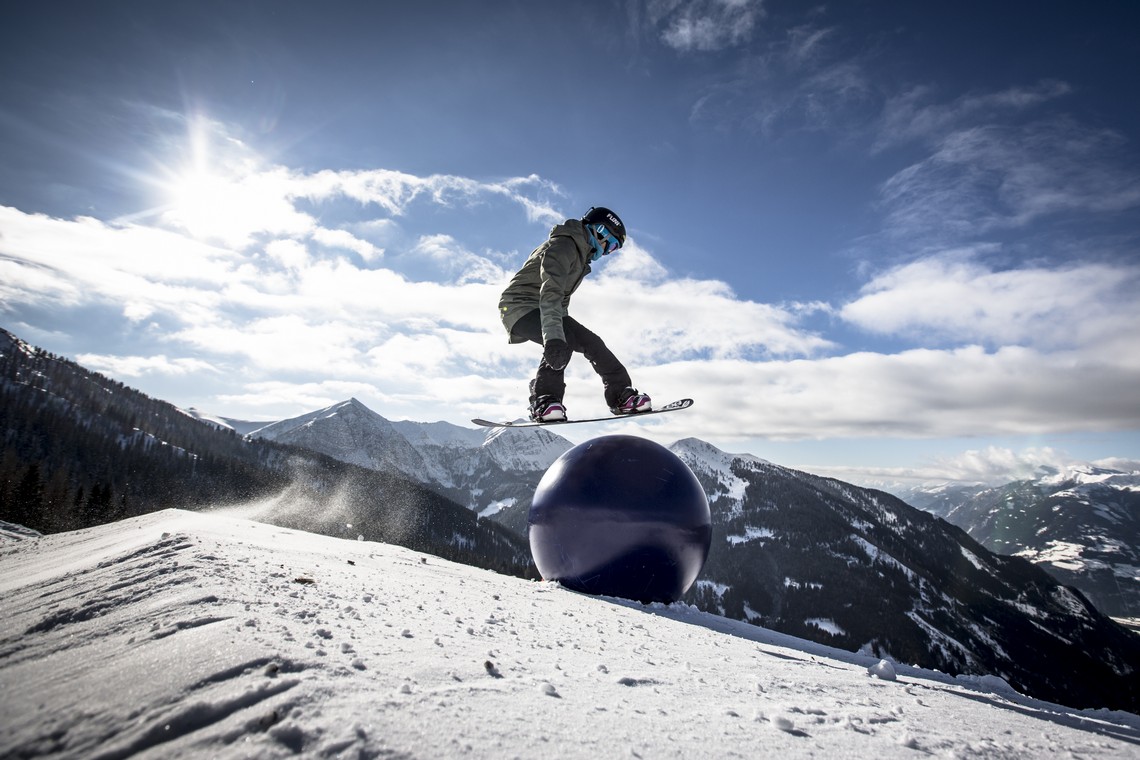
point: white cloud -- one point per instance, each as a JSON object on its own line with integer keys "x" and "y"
{"x": 292, "y": 305}
{"x": 27, "y": 283}
{"x": 281, "y": 399}
{"x": 1119, "y": 463}
{"x": 290, "y": 322}
{"x": 956, "y": 296}
{"x": 989, "y": 466}
{"x": 138, "y": 366}
{"x": 291, "y": 254}
{"x": 87, "y": 249}
{"x": 461, "y": 265}
{"x": 395, "y": 191}
{"x": 284, "y": 343}
{"x": 347, "y": 241}
{"x": 796, "y": 82}
{"x": 919, "y": 393}
{"x": 231, "y": 210}
{"x": 634, "y": 305}
{"x": 995, "y": 464}
{"x": 390, "y": 190}
{"x": 84, "y": 262}
{"x": 986, "y": 179}
{"x": 805, "y": 42}
{"x": 908, "y": 116}
{"x": 706, "y": 25}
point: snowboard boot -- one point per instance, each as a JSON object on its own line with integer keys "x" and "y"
{"x": 547, "y": 409}
{"x": 632, "y": 402}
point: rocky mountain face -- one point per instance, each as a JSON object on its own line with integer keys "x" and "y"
{"x": 485, "y": 472}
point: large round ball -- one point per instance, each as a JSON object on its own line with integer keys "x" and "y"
{"x": 620, "y": 516}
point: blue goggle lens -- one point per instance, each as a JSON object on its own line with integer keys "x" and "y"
{"x": 609, "y": 241}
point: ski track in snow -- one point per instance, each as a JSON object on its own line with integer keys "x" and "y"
{"x": 183, "y": 634}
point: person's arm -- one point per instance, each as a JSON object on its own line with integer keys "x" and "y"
{"x": 557, "y": 277}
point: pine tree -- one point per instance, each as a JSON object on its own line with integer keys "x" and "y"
{"x": 28, "y": 500}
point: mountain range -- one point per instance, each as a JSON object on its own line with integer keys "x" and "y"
{"x": 1081, "y": 524}
{"x": 804, "y": 555}
{"x": 78, "y": 449}
{"x": 850, "y": 567}
{"x": 483, "y": 472}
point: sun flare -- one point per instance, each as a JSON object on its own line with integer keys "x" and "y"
{"x": 226, "y": 194}
{"x": 199, "y": 201}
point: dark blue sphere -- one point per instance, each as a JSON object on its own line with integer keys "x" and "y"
{"x": 620, "y": 516}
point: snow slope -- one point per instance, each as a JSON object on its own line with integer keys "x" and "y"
{"x": 183, "y": 634}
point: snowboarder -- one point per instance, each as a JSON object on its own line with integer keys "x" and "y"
{"x": 534, "y": 308}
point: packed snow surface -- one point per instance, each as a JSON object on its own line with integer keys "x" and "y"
{"x": 183, "y": 634}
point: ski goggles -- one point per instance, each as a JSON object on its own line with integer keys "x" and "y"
{"x": 606, "y": 239}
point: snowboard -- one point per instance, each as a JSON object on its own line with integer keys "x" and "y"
{"x": 684, "y": 403}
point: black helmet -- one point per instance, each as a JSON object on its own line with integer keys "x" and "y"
{"x": 601, "y": 215}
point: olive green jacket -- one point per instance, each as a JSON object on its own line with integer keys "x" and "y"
{"x": 546, "y": 281}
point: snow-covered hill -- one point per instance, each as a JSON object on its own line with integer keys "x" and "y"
{"x": 182, "y": 634}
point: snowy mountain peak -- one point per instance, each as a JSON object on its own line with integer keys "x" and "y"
{"x": 703, "y": 451}
{"x": 722, "y": 475}
{"x": 351, "y": 410}
{"x": 697, "y": 447}
{"x": 351, "y": 432}
{"x": 1087, "y": 474}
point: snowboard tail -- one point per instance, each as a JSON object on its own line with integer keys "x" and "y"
{"x": 684, "y": 403}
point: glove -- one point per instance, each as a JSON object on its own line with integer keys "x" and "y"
{"x": 556, "y": 353}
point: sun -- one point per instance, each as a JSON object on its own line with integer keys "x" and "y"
{"x": 203, "y": 196}
{"x": 225, "y": 193}
{"x": 200, "y": 202}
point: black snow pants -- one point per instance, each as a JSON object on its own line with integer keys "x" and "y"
{"x": 549, "y": 381}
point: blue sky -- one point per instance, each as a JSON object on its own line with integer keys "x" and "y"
{"x": 885, "y": 241}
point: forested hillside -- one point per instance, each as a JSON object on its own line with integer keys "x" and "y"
{"x": 78, "y": 449}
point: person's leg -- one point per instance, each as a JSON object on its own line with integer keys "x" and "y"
{"x": 547, "y": 380}
{"x": 615, "y": 378}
